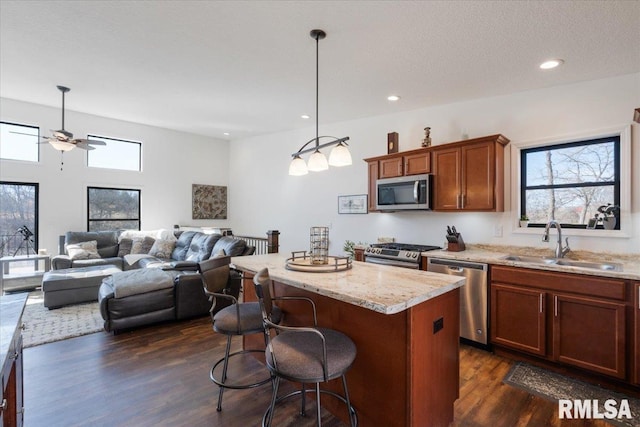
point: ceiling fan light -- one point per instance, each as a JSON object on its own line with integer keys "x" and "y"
{"x": 340, "y": 156}
{"x": 298, "y": 167}
{"x": 61, "y": 145}
{"x": 318, "y": 162}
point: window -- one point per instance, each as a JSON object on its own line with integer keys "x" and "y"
{"x": 116, "y": 154}
{"x": 18, "y": 218}
{"x": 113, "y": 209}
{"x": 19, "y": 142}
{"x": 568, "y": 182}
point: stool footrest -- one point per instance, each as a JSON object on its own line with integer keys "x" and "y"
{"x": 237, "y": 386}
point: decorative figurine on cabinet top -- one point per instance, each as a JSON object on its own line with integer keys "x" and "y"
{"x": 426, "y": 142}
{"x": 392, "y": 142}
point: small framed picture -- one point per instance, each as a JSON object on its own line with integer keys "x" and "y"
{"x": 355, "y": 204}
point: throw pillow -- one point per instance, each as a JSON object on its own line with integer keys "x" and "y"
{"x": 124, "y": 247}
{"x": 162, "y": 248}
{"x": 83, "y": 250}
{"x": 142, "y": 245}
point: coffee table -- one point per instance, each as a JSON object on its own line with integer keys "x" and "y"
{"x": 5, "y": 273}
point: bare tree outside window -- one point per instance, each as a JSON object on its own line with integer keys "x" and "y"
{"x": 113, "y": 209}
{"x": 18, "y": 209}
{"x": 568, "y": 182}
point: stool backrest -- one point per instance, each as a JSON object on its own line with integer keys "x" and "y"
{"x": 215, "y": 273}
{"x": 262, "y": 283}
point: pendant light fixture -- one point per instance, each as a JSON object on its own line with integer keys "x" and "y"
{"x": 339, "y": 155}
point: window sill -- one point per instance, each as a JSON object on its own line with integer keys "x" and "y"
{"x": 618, "y": 234}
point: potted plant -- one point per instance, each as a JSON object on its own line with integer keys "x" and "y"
{"x": 524, "y": 221}
{"x": 607, "y": 213}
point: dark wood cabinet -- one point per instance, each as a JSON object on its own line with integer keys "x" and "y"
{"x": 11, "y": 395}
{"x": 469, "y": 175}
{"x": 565, "y": 318}
{"x": 412, "y": 162}
{"x": 390, "y": 168}
{"x": 589, "y": 333}
{"x": 518, "y": 319}
{"x": 636, "y": 333}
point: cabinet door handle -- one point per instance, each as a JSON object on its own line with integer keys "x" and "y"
{"x": 555, "y": 305}
{"x": 541, "y": 309}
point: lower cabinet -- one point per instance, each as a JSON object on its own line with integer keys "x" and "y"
{"x": 590, "y": 334}
{"x": 566, "y": 318}
{"x": 636, "y": 326}
{"x": 517, "y": 318}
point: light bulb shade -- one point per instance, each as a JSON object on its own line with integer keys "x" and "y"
{"x": 298, "y": 167}
{"x": 61, "y": 145}
{"x": 340, "y": 156}
{"x": 318, "y": 162}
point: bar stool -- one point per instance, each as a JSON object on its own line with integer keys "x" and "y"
{"x": 303, "y": 355}
{"x": 233, "y": 320}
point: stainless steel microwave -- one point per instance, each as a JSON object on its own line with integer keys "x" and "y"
{"x": 404, "y": 193}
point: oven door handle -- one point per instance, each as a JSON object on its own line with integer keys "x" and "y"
{"x": 394, "y": 263}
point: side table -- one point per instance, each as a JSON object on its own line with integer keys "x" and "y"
{"x": 7, "y": 260}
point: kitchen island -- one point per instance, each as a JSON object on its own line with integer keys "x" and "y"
{"x": 405, "y": 324}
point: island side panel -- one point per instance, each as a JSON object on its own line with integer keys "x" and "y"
{"x": 434, "y": 369}
{"x": 378, "y": 380}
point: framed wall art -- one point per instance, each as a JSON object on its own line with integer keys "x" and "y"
{"x": 355, "y": 204}
{"x": 209, "y": 202}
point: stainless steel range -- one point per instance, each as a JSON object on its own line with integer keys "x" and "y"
{"x": 397, "y": 254}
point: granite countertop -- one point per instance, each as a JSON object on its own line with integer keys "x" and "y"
{"x": 11, "y": 307}
{"x": 493, "y": 254}
{"x": 380, "y": 288}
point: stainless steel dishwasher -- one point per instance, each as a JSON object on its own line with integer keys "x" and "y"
{"x": 473, "y": 295}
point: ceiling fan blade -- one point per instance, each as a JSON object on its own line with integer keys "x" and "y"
{"x": 82, "y": 143}
{"x": 95, "y": 142}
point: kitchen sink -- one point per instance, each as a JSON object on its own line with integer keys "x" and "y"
{"x": 610, "y": 266}
{"x": 530, "y": 259}
{"x": 606, "y": 266}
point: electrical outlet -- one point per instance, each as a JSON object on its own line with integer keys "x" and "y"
{"x": 438, "y": 325}
{"x": 497, "y": 230}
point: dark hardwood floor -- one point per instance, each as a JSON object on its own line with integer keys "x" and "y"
{"x": 158, "y": 376}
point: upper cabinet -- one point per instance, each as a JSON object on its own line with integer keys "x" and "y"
{"x": 468, "y": 175}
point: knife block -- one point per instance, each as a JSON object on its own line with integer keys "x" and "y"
{"x": 456, "y": 247}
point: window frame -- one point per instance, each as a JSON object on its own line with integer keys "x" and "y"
{"x": 550, "y": 147}
{"x": 624, "y": 132}
{"x": 90, "y": 136}
{"x": 37, "y": 161}
{"x": 36, "y": 226}
{"x": 89, "y": 220}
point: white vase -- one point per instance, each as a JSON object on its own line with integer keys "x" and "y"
{"x": 524, "y": 224}
{"x": 609, "y": 223}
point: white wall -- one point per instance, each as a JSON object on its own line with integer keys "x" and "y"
{"x": 265, "y": 197}
{"x": 171, "y": 163}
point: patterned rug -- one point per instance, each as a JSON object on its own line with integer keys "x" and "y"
{"x": 552, "y": 386}
{"x": 42, "y": 325}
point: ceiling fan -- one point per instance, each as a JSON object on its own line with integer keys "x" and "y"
{"x": 62, "y": 140}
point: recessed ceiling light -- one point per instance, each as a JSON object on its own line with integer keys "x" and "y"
{"x": 552, "y": 63}
{"x": 393, "y": 98}
{"x": 226, "y": 133}
{"x": 305, "y": 116}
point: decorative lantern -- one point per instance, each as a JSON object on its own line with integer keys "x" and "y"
{"x": 319, "y": 248}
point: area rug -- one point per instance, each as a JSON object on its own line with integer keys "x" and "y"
{"x": 552, "y": 386}
{"x": 42, "y": 325}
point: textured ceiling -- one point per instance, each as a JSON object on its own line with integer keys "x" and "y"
{"x": 248, "y": 67}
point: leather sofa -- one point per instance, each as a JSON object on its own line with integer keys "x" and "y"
{"x": 186, "y": 299}
{"x": 190, "y": 248}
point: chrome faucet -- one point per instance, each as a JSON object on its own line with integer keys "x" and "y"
{"x": 560, "y": 251}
